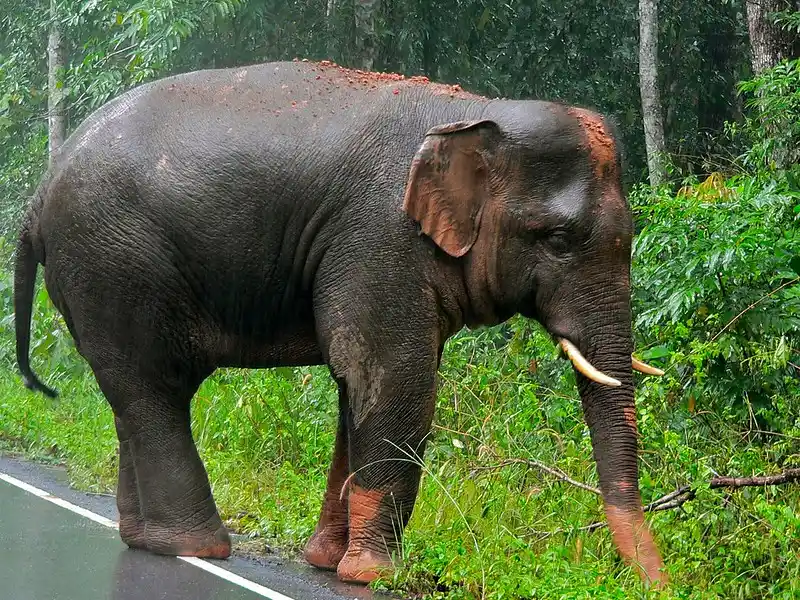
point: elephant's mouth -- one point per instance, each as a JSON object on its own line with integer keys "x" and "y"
{"x": 583, "y": 366}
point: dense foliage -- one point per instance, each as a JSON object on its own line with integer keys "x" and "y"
{"x": 716, "y": 298}
{"x": 580, "y": 52}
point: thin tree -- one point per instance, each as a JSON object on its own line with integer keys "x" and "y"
{"x": 366, "y": 14}
{"x": 57, "y": 60}
{"x": 648, "y": 86}
{"x": 769, "y": 43}
{"x": 330, "y": 15}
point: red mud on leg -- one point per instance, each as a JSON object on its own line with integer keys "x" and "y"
{"x": 363, "y": 563}
{"x": 635, "y": 543}
{"x": 327, "y": 545}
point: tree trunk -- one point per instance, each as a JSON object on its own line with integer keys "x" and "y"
{"x": 330, "y": 28}
{"x": 57, "y": 62}
{"x": 769, "y": 45}
{"x": 366, "y": 13}
{"x": 648, "y": 85}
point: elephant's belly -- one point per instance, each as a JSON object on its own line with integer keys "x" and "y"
{"x": 292, "y": 347}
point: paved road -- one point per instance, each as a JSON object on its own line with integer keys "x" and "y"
{"x": 48, "y": 552}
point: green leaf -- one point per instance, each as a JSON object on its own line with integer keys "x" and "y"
{"x": 795, "y": 263}
{"x": 487, "y": 14}
{"x": 656, "y": 352}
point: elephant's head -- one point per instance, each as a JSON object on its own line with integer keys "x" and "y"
{"x": 532, "y": 203}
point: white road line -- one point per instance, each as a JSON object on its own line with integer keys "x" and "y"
{"x": 58, "y": 501}
{"x": 197, "y": 562}
{"x": 234, "y": 578}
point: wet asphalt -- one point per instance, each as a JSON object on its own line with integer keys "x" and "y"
{"x": 50, "y": 553}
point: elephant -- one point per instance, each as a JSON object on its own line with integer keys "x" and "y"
{"x": 302, "y": 213}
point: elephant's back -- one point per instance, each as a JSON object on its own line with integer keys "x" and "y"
{"x": 229, "y": 144}
{"x": 261, "y": 116}
{"x": 262, "y": 102}
{"x": 239, "y": 178}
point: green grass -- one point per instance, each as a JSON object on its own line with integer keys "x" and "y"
{"x": 266, "y": 438}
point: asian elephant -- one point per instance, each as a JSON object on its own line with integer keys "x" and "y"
{"x": 300, "y": 213}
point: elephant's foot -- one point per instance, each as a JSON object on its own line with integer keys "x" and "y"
{"x": 131, "y": 530}
{"x": 206, "y": 544}
{"x": 326, "y": 547}
{"x": 159, "y": 539}
{"x": 363, "y": 566}
{"x": 367, "y": 556}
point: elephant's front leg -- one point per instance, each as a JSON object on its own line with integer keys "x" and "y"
{"x": 391, "y": 393}
{"x": 386, "y": 451}
{"x": 329, "y": 541}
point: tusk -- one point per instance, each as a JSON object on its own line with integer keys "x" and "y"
{"x": 645, "y": 368}
{"x": 584, "y": 366}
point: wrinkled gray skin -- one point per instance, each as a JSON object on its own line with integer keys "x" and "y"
{"x": 298, "y": 214}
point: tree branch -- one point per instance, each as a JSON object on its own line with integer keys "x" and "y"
{"x": 753, "y": 305}
{"x": 685, "y": 493}
{"x": 552, "y": 471}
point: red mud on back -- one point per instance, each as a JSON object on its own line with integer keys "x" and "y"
{"x": 358, "y": 79}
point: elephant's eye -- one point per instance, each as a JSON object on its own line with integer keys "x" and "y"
{"x": 559, "y": 241}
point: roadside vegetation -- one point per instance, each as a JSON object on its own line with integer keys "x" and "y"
{"x": 506, "y": 509}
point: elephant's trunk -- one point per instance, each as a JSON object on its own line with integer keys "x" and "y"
{"x": 610, "y": 413}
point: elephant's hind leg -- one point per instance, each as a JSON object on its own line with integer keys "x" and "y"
{"x": 131, "y": 522}
{"x": 177, "y": 514}
{"x": 327, "y": 545}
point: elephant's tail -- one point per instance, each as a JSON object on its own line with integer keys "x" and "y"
{"x": 24, "y": 287}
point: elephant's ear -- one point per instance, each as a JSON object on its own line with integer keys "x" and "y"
{"x": 448, "y": 185}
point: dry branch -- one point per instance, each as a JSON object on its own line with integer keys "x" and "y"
{"x": 686, "y": 492}
{"x": 668, "y": 501}
{"x": 552, "y": 471}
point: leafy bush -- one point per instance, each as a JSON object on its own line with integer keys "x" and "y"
{"x": 716, "y": 268}
{"x": 775, "y": 122}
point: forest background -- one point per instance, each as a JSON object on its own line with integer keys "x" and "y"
{"x": 706, "y": 97}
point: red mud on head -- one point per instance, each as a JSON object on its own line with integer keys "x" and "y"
{"x": 359, "y": 79}
{"x": 598, "y": 141}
